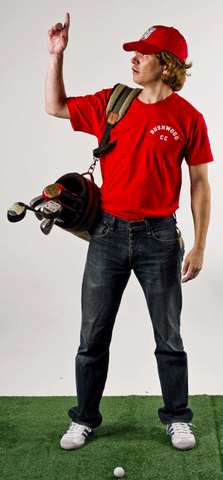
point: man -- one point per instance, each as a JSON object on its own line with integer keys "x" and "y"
{"x": 137, "y": 225}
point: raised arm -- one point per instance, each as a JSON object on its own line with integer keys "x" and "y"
{"x": 55, "y": 95}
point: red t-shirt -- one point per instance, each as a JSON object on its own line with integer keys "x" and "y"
{"x": 142, "y": 174}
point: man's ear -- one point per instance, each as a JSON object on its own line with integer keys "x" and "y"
{"x": 165, "y": 69}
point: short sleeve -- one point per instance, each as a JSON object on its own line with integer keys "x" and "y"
{"x": 198, "y": 149}
{"x": 87, "y": 114}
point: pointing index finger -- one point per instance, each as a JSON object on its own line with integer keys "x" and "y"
{"x": 67, "y": 21}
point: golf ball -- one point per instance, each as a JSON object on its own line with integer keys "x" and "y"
{"x": 119, "y": 472}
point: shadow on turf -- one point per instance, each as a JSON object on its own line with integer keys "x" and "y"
{"x": 156, "y": 434}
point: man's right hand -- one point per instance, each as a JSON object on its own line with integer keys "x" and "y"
{"x": 57, "y": 38}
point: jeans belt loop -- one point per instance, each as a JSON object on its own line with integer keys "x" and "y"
{"x": 148, "y": 227}
{"x": 112, "y": 223}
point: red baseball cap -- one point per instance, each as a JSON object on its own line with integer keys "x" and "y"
{"x": 159, "y": 38}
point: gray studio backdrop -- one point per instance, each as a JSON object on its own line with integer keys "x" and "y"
{"x": 41, "y": 276}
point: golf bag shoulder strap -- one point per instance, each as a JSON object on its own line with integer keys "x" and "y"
{"x": 119, "y": 101}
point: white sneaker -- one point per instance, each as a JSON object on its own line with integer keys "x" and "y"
{"x": 75, "y": 436}
{"x": 181, "y": 435}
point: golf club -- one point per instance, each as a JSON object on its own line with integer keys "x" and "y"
{"x": 18, "y": 211}
{"x": 56, "y": 190}
{"x": 51, "y": 211}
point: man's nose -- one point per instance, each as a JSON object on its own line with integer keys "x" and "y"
{"x": 135, "y": 59}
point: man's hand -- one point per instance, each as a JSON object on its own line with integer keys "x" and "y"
{"x": 193, "y": 264}
{"x": 57, "y": 38}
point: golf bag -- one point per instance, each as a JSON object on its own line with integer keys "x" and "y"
{"x": 73, "y": 201}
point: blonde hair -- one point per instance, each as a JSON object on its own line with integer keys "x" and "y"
{"x": 177, "y": 70}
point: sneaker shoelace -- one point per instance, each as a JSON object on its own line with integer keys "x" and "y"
{"x": 181, "y": 428}
{"x": 76, "y": 430}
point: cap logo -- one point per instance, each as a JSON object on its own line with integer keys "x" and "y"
{"x": 148, "y": 33}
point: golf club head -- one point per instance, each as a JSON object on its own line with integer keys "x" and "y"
{"x": 47, "y": 225}
{"x": 17, "y": 212}
{"x": 38, "y": 202}
{"x": 52, "y": 191}
{"x": 35, "y": 202}
{"x": 57, "y": 191}
{"x": 52, "y": 209}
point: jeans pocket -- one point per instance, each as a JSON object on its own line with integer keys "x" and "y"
{"x": 100, "y": 230}
{"x": 166, "y": 234}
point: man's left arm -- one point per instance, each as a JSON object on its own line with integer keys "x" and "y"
{"x": 200, "y": 206}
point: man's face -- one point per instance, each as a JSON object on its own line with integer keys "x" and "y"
{"x": 147, "y": 70}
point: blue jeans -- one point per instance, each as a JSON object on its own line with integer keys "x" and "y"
{"x": 153, "y": 249}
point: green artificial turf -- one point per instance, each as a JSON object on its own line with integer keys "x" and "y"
{"x": 131, "y": 436}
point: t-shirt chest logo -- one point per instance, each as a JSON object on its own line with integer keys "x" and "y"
{"x": 164, "y": 132}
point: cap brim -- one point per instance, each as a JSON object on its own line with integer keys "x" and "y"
{"x": 142, "y": 47}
